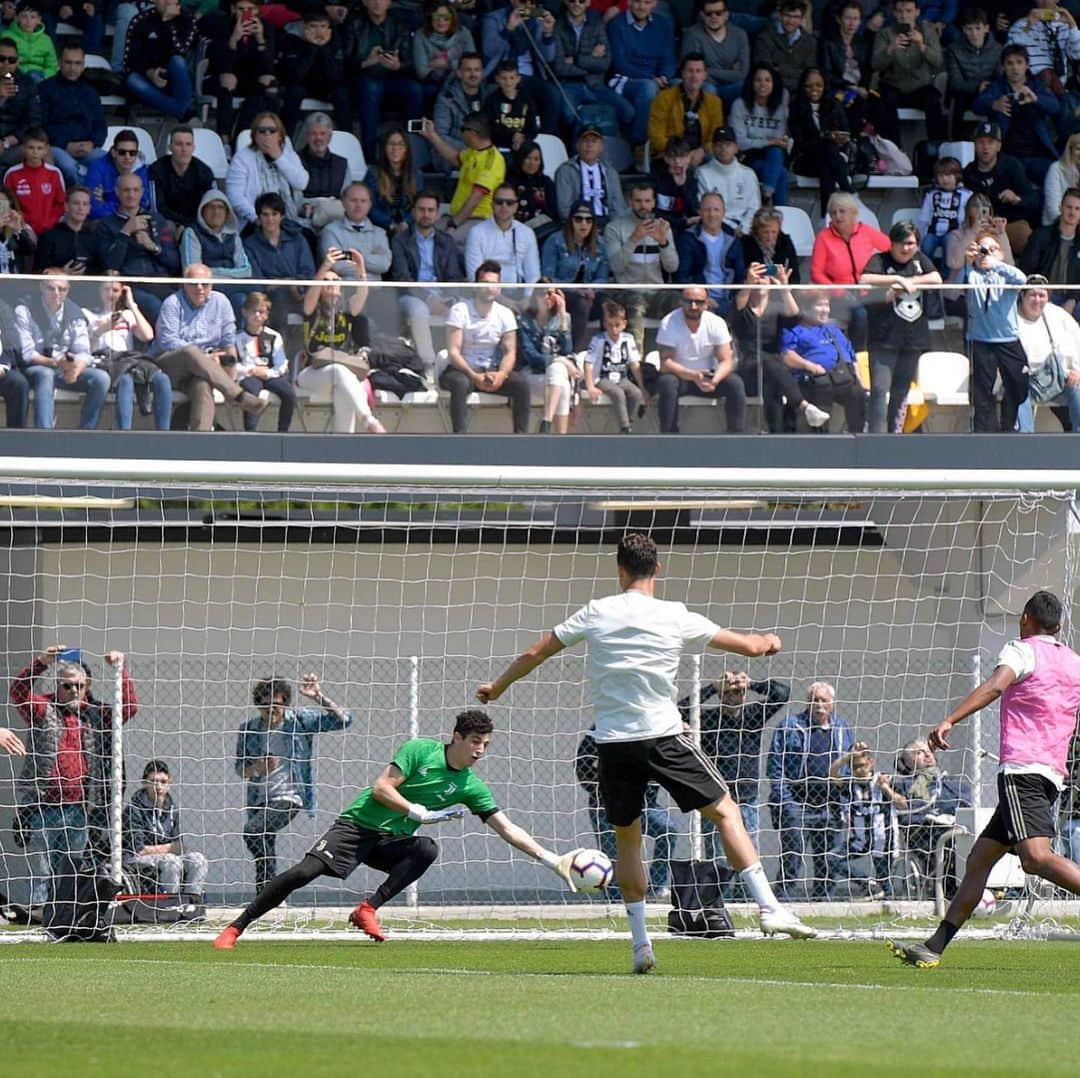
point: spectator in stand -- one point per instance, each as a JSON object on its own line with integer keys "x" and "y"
{"x": 642, "y": 61}
{"x": 686, "y": 112}
{"x": 1063, "y": 174}
{"x": 790, "y": 47}
{"x": 159, "y": 42}
{"x": 1002, "y": 178}
{"x": 20, "y": 106}
{"x": 582, "y": 57}
{"x": 525, "y": 33}
{"x": 846, "y": 50}
{"x": 803, "y": 749}
{"x": 65, "y": 773}
{"x": 735, "y": 182}
{"x": 437, "y": 49}
{"x": 587, "y": 176}
{"x": 577, "y": 254}
{"x": 759, "y": 119}
{"x": 1050, "y": 36}
{"x": 195, "y": 345}
{"x": 711, "y": 253}
{"x": 331, "y": 323}
{"x": 275, "y": 753}
{"x": 55, "y": 345}
{"x": 641, "y": 251}
{"x": 14, "y": 388}
{"x": 379, "y": 66}
{"x": 136, "y": 243}
{"x": 505, "y": 241}
{"x": 820, "y": 136}
{"x": 824, "y": 361}
{"x": 696, "y": 360}
{"x": 268, "y": 165}
{"x": 908, "y": 58}
{"x": 992, "y": 335}
{"x": 153, "y": 841}
{"x": 37, "y": 53}
{"x": 725, "y": 48}
{"x": 313, "y": 64}
{"x": 675, "y": 183}
{"x": 277, "y": 248}
{"x": 120, "y": 335}
{"x": 535, "y": 190}
{"x": 426, "y": 256}
{"x": 1024, "y": 111}
{"x": 481, "y": 350}
{"x": 355, "y": 232}
{"x": 180, "y": 179}
{"x": 214, "y": 239}
{"x": 328, "y": 173}
{"x": 72, "y": 115}
{"x": 261, "y": 361}
{"x": 972, "y": 61}
{"x": 123, "y": 159}
{"x": 943, "y": 206}
{"x": 462, "y": 96}
{"x": 840, "y": 254}
{"x": 978, "y": 217}
{"x": 37, "y": 185}
{"x": 767, "y": 243}
{"x": 613, "y": 369}
{"x": 482, "y": 169}
{"x": 72, "y": 244}
{"x": 393, "y": 181}
{"x": 511, "y": 109}
{"x": 83, "y": 15}
{"x": 1054, "y": 251}
{"x": 1048, "y": 334}
{"x": 242, "y": 48}
{"x": 899, "y": 330}
{"x": 544, "y": 344}
{"x": 17, "y": 239}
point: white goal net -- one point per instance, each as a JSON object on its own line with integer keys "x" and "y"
{"x": 403, "y": 596}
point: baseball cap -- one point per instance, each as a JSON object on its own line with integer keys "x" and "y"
{"x": 988, "y": 130}
{"x": 582, "y": 206}
{"x": 590, "y": 129}
{"x": 724, "y": 134}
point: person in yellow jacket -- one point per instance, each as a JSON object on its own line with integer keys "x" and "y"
{"x": 686, "y": 111}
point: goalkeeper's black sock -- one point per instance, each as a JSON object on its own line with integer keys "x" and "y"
{"x": 279, "y": 889}
{"x": 941, "y": 938}
{"x": 414, "y": 860}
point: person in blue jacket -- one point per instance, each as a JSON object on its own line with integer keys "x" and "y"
{"x": 274, "y": 753}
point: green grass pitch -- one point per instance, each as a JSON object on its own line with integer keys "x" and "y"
{"x": 549, "y": 1008}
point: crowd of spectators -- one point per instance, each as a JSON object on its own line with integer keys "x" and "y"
{"x": 716, "y": 104}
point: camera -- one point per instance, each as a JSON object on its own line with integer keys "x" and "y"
{"x": 415, "y": 127}
{"x": 984, "y": 250}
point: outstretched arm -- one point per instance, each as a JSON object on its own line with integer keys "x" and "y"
{"x": 749, "y": 644}
{"x": 520, "y": 839}
{"x": 524, "y": 664}
{"x": 976, "y": 700}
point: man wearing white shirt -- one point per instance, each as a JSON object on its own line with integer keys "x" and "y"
{"x": 696, "y": 360}
{"x": 481, "y": 351}
{"x": 737, "y": 183}
{"x": 354, "y": 232}
{"x": 508, "y": 242}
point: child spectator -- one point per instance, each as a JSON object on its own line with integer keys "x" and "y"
{"x": 943, "y": 207}
{"x": 37, "y": 53}
{"x": 613, "y": 368}
{"x": 312, "y": 64}
{"x": 861, "y": 842}
{"x": 262, "y": 363}
{"x": 512, "y": 112}
{"x": 38, "y": 185}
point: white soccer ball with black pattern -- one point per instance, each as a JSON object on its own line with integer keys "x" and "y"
{"x": 591, "y": 870}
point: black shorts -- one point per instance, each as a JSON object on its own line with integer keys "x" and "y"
{"x": 1025, "y": 809}
{"x": 347, "y": 845}
{"x": 627, "y": 767}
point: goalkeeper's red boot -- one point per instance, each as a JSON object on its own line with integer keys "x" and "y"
{"x": 366, "y": 919}
{"x": 227, "y": 940}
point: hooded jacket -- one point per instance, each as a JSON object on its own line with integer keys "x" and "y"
{"x": 36, "y": 49}
{"x": 222, "y": 251}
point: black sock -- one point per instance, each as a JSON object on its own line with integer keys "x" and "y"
{"x": 413, "y": 862}
{"x": 279, "y": 889}
{"x": 942, "y": 937}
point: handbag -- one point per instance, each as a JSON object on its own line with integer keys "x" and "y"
{"x": 1047, "y": 382}
{"x": 357, "y": 362}
{"x": 892, "y": 161}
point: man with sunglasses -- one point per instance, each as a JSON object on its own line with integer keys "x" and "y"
{"x": 726, "y": 49}
{"x": 505, "y": 240}
{"x": 66, "y": 769}
{"x": 20, "y": 106}
{"x": 122, "y": 159}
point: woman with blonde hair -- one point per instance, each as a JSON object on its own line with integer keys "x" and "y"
{"x": 1062, "y": 174}
{"x": 978, "y": 217}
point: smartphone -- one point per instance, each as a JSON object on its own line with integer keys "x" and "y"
{"x": 1047, "y": 14}
{"x": 415, "y": 127}
{"x": 342, "y": 256}
{"x": 770, "y": 269}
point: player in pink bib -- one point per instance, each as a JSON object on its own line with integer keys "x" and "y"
{"x": 1038, "y": 680}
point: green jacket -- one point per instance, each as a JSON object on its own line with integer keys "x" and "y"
{"x": 36, "y": 51}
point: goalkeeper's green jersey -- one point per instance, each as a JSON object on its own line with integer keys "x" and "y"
{"x": 428, "y": 782}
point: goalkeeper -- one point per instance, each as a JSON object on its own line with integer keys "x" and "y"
{"x": 427, "y": 782}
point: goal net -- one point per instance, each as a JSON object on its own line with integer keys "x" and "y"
{"x": 404, "y": 592}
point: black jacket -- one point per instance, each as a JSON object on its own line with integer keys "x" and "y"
{"x": 833, "y": 58}
{"x": 178, "y": 197}
{"x": 805, "y": 132}
{"x": 62, "y": 244}
{"x": 1041, "y": 253}
{"x": 784, "y": 256}
{"x": 21, "y": 110}
{"x": 405, "y": 263}
{"x": 327, "y": 175}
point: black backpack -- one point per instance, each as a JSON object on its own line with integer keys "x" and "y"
{"x": 81, "y": 908}
{"x": 698, "y": 904}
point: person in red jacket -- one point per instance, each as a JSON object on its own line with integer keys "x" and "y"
{"x": 65, "y": 776}
{"x": 38, "y": 185}
{"x": 840, "y": 254}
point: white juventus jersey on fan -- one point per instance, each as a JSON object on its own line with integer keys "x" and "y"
{"x": 635, "y": 642}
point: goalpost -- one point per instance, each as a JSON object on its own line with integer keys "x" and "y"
{"x": 404, "y": 588}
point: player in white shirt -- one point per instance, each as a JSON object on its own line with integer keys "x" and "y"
{"x": 635, "y": 642}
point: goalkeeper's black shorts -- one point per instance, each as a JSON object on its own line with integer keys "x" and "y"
{"x": 347, "y": 845}
{"x": 627, "y": 767}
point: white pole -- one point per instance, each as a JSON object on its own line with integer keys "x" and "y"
{"x": 695, "y": 734}
{"x": 976, "y": 736}
{"x": 116, "y": 777}
{"x": 412, "y": 892}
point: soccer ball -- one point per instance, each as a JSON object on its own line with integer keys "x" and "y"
{"x": 987, "y": 905}
{"x": 591, "y": 870}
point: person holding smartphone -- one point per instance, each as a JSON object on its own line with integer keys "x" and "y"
{"x": 908, "y": 58}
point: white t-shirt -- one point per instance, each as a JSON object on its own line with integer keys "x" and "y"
{"x": 1019, "y": 657}
{"x": 481, "y": 334}
{"x": 697, "y": 351}
{"x": 635, "y": 642}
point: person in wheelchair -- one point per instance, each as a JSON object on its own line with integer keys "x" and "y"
{"x": 926, "y": 799}
{"x": 153, "y": 842}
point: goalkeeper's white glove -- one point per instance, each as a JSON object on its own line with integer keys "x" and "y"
{"x": 560, "y": 865}
{"x": 426, "y": 815}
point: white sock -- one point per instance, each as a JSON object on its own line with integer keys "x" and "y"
{"x": 755, "y": 879}
{"x": 635, "y": 911}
